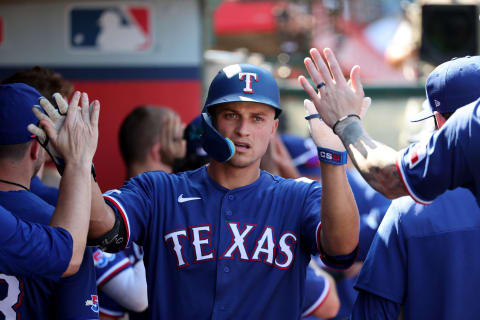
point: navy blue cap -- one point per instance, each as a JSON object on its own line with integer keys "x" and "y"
{"x": 16, "y": 102}
{"x": 451, "y": 85}
{"x": 304, "y": 154}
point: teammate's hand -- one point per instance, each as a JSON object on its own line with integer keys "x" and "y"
{"x": 56, "y": 117}
{"x": 335, "y": 97}
{"x": 75, "y": 140}
{"x": 323, "y": 135}
{"x": 172, "y": 142}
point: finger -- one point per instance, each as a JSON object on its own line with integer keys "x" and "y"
{"x": 309, "y": 108}
{"x": 61, "y": 103}
{"x": 334, "y": 67}
{"x": 40, "y": 115}
{"x": 356, "y": 81}
{"x": 312, "y": 71}
{"x": 85, "y": 107}
{"x": 309, "y": 90}
{"x": 50, "y": 130}
{"x": 95, "y": 114}
{"x": 322, "y": 67}
{"x": 75, "y": 100}
{"x": 39, "y": 133}
{"x": 365, "y": 105}
{"x": 49, "y": 109}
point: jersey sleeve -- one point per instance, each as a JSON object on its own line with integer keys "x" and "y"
{"x": 386, "y": 257}
{"x": 28, "y": 249}
{"x": 134, "y": 203}
{"x": 108, "y": 265}
{"x": 317, "y": 289}
{"x": 76, "y": 296}
{"x": 372, "y": 307}
{"x": 446, "y": 161}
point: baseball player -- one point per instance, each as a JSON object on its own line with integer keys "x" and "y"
{"x": 36, "y": 250}
{"x": 415, "y": 170}
{"x": 47, "y": 82}
{"x": 228, "y": 241}
{"x": 20, "y": 157}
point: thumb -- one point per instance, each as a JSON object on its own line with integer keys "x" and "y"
{"x": 367, "y": 101}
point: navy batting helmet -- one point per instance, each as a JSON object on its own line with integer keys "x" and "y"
{"x": 236, "y": 83}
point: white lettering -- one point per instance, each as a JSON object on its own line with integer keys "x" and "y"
{"x": 238, "y": 241}
{"x": 286, "y": 249}
{"x": 177, "y": 247}
{"x": 267, "y": 237}
{"x": 248, "y": 80}
{"x": 198, "y": 242}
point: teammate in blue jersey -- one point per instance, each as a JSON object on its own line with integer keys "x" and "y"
{"x": 121, "y": 282}
{"x": 229, "y": 240}
{"x": 455, "y": 146}
{"x": 424, "y": 259}
{"x": 71, "y": 297}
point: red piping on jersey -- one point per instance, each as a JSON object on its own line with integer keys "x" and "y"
{"x": 404, "y": 183}
{"x": 321, "y": 303}
{"x": 114, "y": 273}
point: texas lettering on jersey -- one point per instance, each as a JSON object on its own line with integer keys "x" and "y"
{"x": 199, "y": 240}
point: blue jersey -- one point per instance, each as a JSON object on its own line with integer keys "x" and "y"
{"x": 425, "y": 258}
{"x": 31, "y": 249}
{"x": 317, "y": 289}
{"x": 73, "y": 297}
{"x": 47, "y": 193}
{"x": 449, "y": 159}
{"x": 107, "y": 266}
{"x": 214, "y": 253}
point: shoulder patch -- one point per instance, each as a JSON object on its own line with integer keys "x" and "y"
{"x": 416, "y": 154}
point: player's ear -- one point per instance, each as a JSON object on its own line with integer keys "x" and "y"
{"x": 439, "y": 119}
{"x": 274, "y": 128}
{"x": 155, "y": 152}
{"x": 35, "y": 150}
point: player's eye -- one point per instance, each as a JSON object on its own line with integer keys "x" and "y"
{"x": 231, "y": 115}
{"x": 258, "y": 118}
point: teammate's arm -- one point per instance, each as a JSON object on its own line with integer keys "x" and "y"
{"x": 76, "y": 141}
{"x": 334, "y": 101}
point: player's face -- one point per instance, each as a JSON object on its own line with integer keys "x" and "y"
{"x": 250, "y": 126}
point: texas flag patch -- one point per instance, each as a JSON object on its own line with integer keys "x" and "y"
{"x": 416, "y": 154}
{"x": 110, "y": 28}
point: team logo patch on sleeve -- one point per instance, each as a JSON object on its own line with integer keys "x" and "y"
{"x": 416, "y": 154}
{"x": 92, "y": 303}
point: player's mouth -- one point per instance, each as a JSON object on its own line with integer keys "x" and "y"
{"x": 242, "y": 146}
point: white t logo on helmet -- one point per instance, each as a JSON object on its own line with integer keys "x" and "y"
{"x": 248, "y": 80}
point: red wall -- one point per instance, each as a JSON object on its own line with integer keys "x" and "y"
{"x": 117, "y": 99}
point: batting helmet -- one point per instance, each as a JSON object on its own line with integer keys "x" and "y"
{"x": 234, "y": 83}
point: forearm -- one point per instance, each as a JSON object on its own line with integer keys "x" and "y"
{"x": 73, "y": 209}
{"x": 375, "y": 161}
{"x": 102, "y": 216}
{"x": 340, "y": 219}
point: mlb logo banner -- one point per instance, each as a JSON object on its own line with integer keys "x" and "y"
{"x": 110, "y": 28}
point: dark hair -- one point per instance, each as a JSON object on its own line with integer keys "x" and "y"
{"x": 14, "y": 151}
{"x": 140, "y": 130}
{"x": 46, "y": 81}
{"x": 446, "y": 115}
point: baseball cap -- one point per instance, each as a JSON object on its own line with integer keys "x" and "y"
{"x": 451, "y": 85}
{"x": 16, "y": 102}
{"x": 304, "y": 154}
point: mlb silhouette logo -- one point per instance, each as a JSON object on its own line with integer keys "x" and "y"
{"x": 110, "y": 28}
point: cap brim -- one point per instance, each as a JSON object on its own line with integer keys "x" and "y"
{"x": 424, "y": 114}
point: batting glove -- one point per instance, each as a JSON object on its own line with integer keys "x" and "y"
{"x": 56, "y": 116}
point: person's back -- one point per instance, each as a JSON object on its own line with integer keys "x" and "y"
{"x": 428, "y": 256}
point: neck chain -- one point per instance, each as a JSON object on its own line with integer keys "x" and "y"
{"x": 15, "y": 184}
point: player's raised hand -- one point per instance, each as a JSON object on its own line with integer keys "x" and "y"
{"x": 335, "y": 97}
{"x": 172, "y": 142}
{"x": 76, "y": 140}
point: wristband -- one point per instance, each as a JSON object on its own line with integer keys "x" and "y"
{"x": 338, "y": 158}
{"x": 343, "y": 118}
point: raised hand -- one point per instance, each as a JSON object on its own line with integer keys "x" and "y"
{"x": 74, "y": 137}
{"x": 172, "y": 141}
{"x": 335, "y": 98}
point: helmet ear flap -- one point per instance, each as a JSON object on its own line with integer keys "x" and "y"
{"x": 218, "y": 147}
